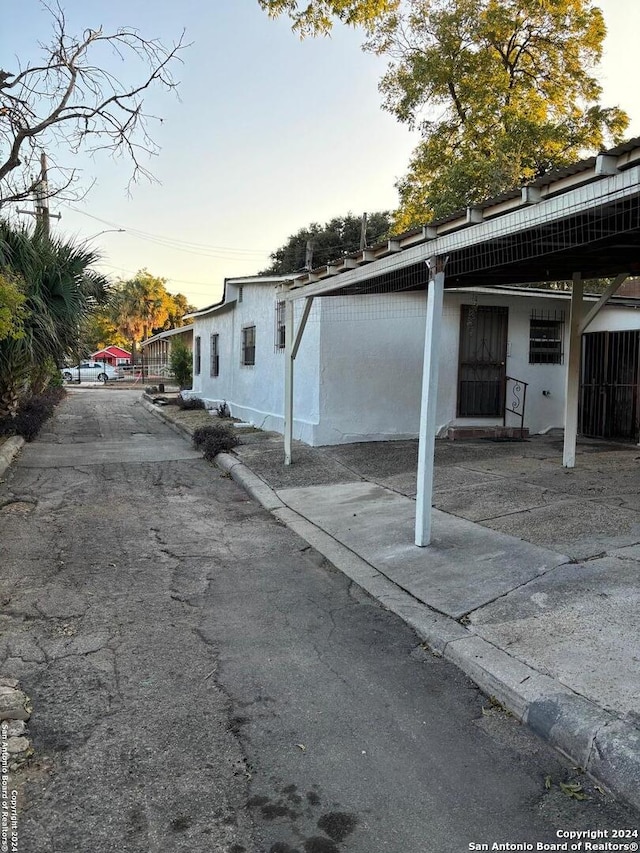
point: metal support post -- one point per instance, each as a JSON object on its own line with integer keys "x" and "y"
{"x": 572, "y": 384}
{"x": 427, "y": 435}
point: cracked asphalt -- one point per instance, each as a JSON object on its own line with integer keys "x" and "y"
{"x": 202, "y": 680}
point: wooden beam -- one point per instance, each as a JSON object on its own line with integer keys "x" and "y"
{"x": 608, "y": 293}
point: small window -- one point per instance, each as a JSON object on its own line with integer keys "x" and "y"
{"x": 546, "y": 336}
{"x": 280, "y": 327}
{"x": 197, "y": 356}
{"x": 240, "y": 293}
{"x": 249, "y": 345}
{"x": 215, "y": 358}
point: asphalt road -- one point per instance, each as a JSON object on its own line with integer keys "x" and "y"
{"x": 202, "y": 681}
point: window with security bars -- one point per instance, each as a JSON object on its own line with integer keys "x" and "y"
{"x": 215, "y": 356}
{"x": 546, "y": 337}
{"x": 249, "y": 346}
{"x": 197, "y": 356}
{"x": 280, "y": 327}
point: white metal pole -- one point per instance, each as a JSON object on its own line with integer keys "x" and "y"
{"x": 572, "y": 382}
{"x": 288, "y": 380}
{"x": 427, "y": 435}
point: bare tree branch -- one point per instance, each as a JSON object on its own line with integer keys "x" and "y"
{"x": 70, "y": 100}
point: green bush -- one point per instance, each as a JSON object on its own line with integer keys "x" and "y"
{"x": 181, "y": 360}
{"x": 213, "y": 439}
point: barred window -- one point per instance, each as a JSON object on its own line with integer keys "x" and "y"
{"x": 546, "y": 337}
{"x": 197, "y": 356}
{"x": 248, "y": 346}
{"x": 215, "y": 357}
{"x": 280, "y": 326}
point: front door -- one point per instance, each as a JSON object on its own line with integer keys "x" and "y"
{"x": 483, "y": 356}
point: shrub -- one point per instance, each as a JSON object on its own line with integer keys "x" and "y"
{"x": 189, "y": 402}
{"x": 32, "y": 413}
{"x": 223, "y": 410}
{"x": 213, "y": 439}
{"x": 181, "y": 361}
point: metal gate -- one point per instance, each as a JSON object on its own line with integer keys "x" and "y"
{"x": 609, "y": 386}
{"x": 483, "y": 355}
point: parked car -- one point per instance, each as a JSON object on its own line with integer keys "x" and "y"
{"x": 90, "y": 371}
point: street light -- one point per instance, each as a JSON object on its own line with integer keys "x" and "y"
{"x": 106, "y": 231}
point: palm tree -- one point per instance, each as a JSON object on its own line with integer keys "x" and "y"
{"x": 60, "y": 290}
{"x": 140, "y": 306}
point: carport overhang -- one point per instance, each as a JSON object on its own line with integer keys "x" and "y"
{"x": 580, "y": 223}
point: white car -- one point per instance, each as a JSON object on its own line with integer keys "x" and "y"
{"x": 90, "y": 371}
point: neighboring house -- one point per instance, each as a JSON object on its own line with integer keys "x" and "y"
{"x": 156, "y": 350}
{"x": 112, "y": 355}
{"x": 359, "y": 368}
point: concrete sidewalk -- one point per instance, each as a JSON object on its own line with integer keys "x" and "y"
{"x": 531, "y": 585}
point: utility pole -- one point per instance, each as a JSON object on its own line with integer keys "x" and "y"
{"x": 41, "y": 200}
{"x": 308, "y": 261}
{"x": 363, "y": 232}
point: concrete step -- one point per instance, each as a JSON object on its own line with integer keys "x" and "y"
{"x": 497, "y": 433}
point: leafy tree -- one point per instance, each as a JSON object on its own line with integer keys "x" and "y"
{"x": 60, "y": 290}
{"x": 99, "y": 330}
{"x": 68, "y": 98}
{"x": 333, "y": 240}
{"x": 316, "y": 17}
{"x": 181, "y": 361}
{"x": 12, "y": 308}
{"x": 501, "y": 90}
{"x": 177, "y": 306}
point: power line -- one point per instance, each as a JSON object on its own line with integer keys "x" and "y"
{"x": 169, "y": 278}
{"x": 173, "y": 242}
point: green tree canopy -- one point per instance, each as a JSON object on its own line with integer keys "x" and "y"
{"x": 317, "y": 16}
{"x": 501, "y": 91}
{"x": 333, "y": 240}
{"x": 142, "y": 306}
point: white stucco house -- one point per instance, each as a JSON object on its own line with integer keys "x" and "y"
{"x": 359, "y": 367}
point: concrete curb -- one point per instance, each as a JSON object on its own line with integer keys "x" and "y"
{"x": 157, "y": 410}
{"x": 603, "y": 745}
{"x": 9, "y": 451}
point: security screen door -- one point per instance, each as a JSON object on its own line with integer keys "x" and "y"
{"x": 609, "y": 387}
{"x": 483, "y": 356}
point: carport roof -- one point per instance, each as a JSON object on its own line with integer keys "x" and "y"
{"x": 581, "y": 219}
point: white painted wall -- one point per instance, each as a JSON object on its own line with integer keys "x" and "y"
{"x": 371, "y": 356}
{"x": 358, "y": 370}
{"x": 615, "y": 320}
{"x": 255, "y": 393}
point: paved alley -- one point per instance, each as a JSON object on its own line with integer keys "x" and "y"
{"x": 202, "y": 680}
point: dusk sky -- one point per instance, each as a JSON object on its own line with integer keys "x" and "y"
{"x": 268, "y": 134}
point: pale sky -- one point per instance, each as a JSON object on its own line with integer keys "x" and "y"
{"x": 269, "y": 134}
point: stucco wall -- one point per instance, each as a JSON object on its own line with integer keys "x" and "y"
{"x": 371, "y": 367}
{"x": 255, "y": 393}
{"x": 371, "y": 357}
{"x": 615, "y": 320}
{"x": 358, "y": 374}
